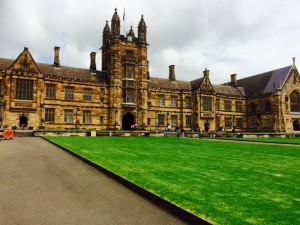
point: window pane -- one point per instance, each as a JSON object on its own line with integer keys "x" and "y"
{"x": 239, "y": 122}
{"x": 188, "y": 121}
{"x": 228, "y": 123}
{"x": 174, "y": 102}
{"x": 207, "y": 104}
{"x": 188, "y": 102}
{"x": 161, "y": 120}
{"x": 49, "y": 115}
{"x": 101, "y": 120}
{"x": 228, "y": 106}
{"x": 86, "y": 117}
{"x": 50, "y": 90}
{"x": 69, "y": 93}
{"x": 68, "y": 116}
{"x": 161, "y": 101}
{"x": 238, "y": 106}
{"x": 174, "y": 120}
{"x": 24, "y": 89}
{"x": 295, "y": 102}
{"x": 87, "y": 94}
{"x": 218, "y": 104}
{"x": 267, "y": 107}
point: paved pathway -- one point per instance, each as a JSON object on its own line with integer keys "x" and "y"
{"x": 43, "y": 185}
{"x": 251, "y": 142}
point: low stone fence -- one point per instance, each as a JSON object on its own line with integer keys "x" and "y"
{"x": 137, "y": 133}
{"x": 40, "y": 133}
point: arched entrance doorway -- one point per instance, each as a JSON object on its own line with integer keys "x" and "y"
{"x": 206, "y": 126}
{"x": 127, "y": 121}
{"x": 23, "y": 121}
{"x": 296, "y": 125}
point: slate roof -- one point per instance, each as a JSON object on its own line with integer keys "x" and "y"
{"x": 73, "y": 73}
{"x": 168, "y": 84}
{"x": 228, "y": 90}
{"x": 265, "y": 82}
{"x": 63, "y": 71}
{"x": 5, "y": 63}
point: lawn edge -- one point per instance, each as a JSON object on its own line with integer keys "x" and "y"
{"x": 162, "y": 203}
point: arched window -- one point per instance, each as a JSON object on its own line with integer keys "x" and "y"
{"x": 268, "y": 107}
{"x": 295, "y": 101}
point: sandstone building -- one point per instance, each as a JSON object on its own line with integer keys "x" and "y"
{"x": 53, "y": 96}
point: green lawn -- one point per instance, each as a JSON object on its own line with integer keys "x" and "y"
{"x": 222, "y": 182}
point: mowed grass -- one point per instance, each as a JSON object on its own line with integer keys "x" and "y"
{"x": 221, "y": 182}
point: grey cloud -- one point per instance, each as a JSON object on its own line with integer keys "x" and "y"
{"x": 226, "y": 36}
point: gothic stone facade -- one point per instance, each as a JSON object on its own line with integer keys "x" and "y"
{"x": 53, "y": 96}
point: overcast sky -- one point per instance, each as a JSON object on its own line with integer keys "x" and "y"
{"x": 245, "y": 37}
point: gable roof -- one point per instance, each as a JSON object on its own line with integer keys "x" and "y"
{"x": 168, "y": 84}
{"x": 195, "y": 84}
{"x": 265, "y": 82}
{"x": 26, "y": 62}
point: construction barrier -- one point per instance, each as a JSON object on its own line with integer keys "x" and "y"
{"x": 8, "y": 134}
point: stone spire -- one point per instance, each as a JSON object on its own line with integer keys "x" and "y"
{"x": 142, "y": 31}
{"x": 115, "y": 25}
{"x": 131, "y": 35}
{"x": 106, "y": 35}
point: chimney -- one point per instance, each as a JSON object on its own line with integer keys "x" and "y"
{"x": 172, "y": 73}
{"x": 233, "y": 80}
{"x": 206, "y": 73}
{"x": 93, "y": 62}
{"x": 56, "y": 57}
{"x": 294, "y": 62}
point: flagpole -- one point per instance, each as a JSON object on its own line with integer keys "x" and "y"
{"x": 124, "y": 22}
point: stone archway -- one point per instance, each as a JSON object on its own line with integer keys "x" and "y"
{"x": 296, "y": 125}
{"x": 127, "y": 121}
{"x": 23, "y": 121}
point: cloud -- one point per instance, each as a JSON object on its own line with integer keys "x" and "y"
{"x": 244, "y": 37}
